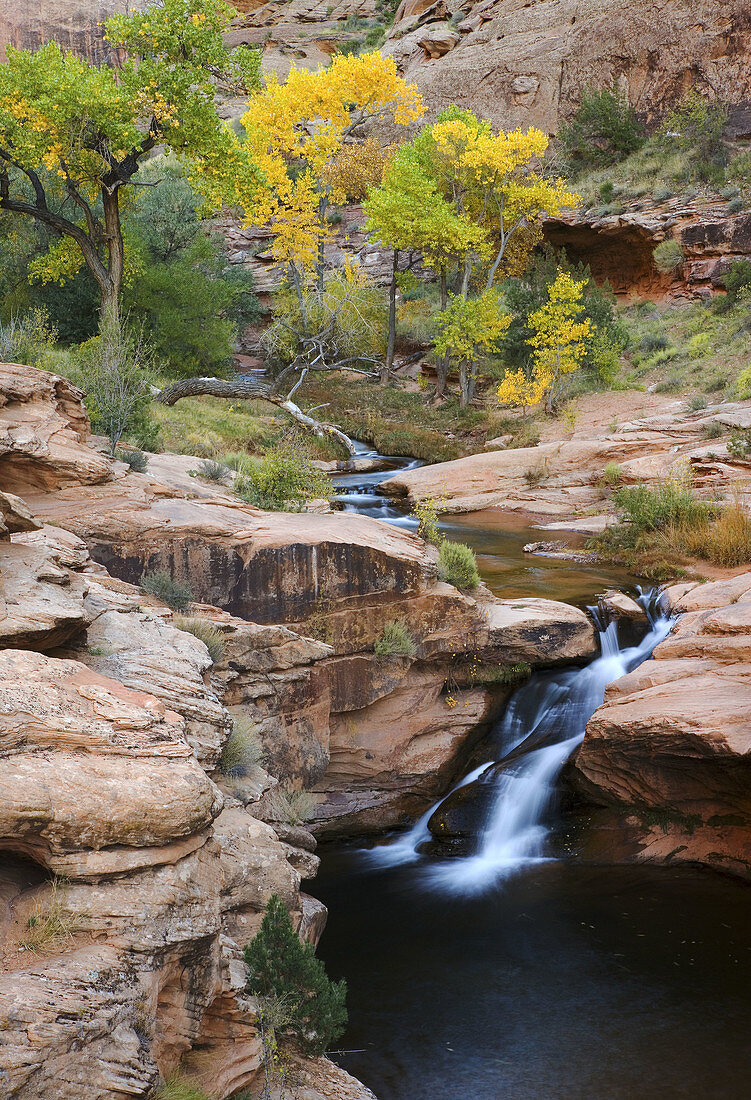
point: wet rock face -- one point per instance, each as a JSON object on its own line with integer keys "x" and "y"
{"x": 669, "y": 752}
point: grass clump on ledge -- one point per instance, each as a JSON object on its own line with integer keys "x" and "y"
{"x": 205, "y": 631}
{"x": 176, "y": 594}
{"x": 293, "y": 807}
{"x": 51, "y": 924}
{"x": 242, "y": 750}
{"x": 395, "y": 641}
{"x": 176, "y": 1087}
{"x": 457, "y": 565}
{"x": 665, "y": 526}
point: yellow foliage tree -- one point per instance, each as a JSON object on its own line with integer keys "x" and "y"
{"x": 466, "y": 329}
{"x": 294, "y": 133}
{"x": 559, "y": 344}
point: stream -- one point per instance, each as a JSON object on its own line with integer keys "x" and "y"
{"x": 502, "y": 970}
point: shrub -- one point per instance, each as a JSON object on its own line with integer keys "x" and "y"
{"x": 612, "y": 475}
{"x": 652, "y": 342}
{"x": 739, "y": 444}
{"x": 662, "y": 194}
{"x": 137, "y": 460}
{"x": 427, "y": 512}
{"x": 242, "y": 750}
{"x": 27, "y": 339}
{"x": 117, "y": 369}
{"x": 536, "y": 475}
{"x": 174, "y": 593}
{"x": 282, "y": 481}
{"x": 202, "y": 629}
{"x": 604, "y": 129}
{"x": 735, "y": 205}
{"x": 668, "y": 256}
{"x": 698, "y": 346}
{"x": 672, "y": 503}
{"x": 280, "y": 966}
{"x": 212, "y": 470}
{"x": 457, "y": 565}
{"x": 714, "y": 430}
{"x": 51, "y": 923}
{"x": 395, "y": 641}
{"x": 737, "y": 278}
{"x": 696, "y": 124}
{"x": 696, "y": 402}
{"x": 606, "y": 191}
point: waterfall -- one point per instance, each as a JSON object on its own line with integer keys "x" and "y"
{"x": 543, "y": 724}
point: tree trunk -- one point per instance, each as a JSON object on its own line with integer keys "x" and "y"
{"x": 388, "y": 365}
{"x": 467, "y": 380}
{"x": 442, "y": 367}
{"x": 246, "y": 388}
{"x": 322, "y": 204}
{"x": 113, "y": 236}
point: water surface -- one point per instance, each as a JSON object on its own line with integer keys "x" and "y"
{"x": 568, "y": 983}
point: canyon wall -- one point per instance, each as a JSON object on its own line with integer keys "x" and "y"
{"x": 135, "y": 863}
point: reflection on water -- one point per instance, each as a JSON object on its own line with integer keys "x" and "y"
{"x": 570, "y": 983}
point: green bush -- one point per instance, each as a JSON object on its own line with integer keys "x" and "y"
{"x": 604, "y": 129}
{"x": 427, "y": 511}
{"x": 176, "y": 1087}
{"x": 175, "y": 594}
{"x": 612, "y": 475}
{"x": 395, "y": 641}
{"x": 116, "y": 370}
{"x": 27, "y": 339}
{"x": 280, "y": 966}
{"x": 696, "y": 125}
{"x": 137, "y": 460}
{"x": 282, "y": 481}
{"x": 668, "y": 256}
{"x": 714, "y": 430}
{"x": 212, "y": 470}
{"x": 457, "y": 565}
{"x": 737, "y": 278}
{"x": 205, "y": 631}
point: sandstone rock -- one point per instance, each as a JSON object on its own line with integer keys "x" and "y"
{"x": 44, "y": 431}
{"x": 75, "y": 24}
{"x": 669, "y": 752}
{"x": 134, "y": 645}
{"x": 438, "y": 39}
{"x": 41, "y": 601}
{"x": 15, "y": 515}
{"x": 526, "y": 64}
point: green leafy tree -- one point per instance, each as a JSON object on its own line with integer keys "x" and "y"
{"x": 73, "y": 136}
{"x": 604, "y": 130}
{"x": 280, "y": 966}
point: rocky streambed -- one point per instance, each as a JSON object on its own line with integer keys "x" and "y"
{"x": 118, "y": 818}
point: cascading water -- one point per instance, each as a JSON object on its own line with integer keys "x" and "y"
{"x": 358, "y": 491}
{"x": 543, "y": 724}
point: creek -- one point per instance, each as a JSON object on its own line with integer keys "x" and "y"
{"x": 500, "y": 969}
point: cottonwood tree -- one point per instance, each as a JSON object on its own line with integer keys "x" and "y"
{"x": 73, "y": 136}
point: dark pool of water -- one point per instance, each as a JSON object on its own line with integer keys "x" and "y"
{"x": 569, "y": 983}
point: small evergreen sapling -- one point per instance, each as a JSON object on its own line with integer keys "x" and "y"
{"x": 280, "y": 966}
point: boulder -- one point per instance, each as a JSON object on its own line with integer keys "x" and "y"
{"x": 669, "y": 751}
{"x": 45, "y": 433}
